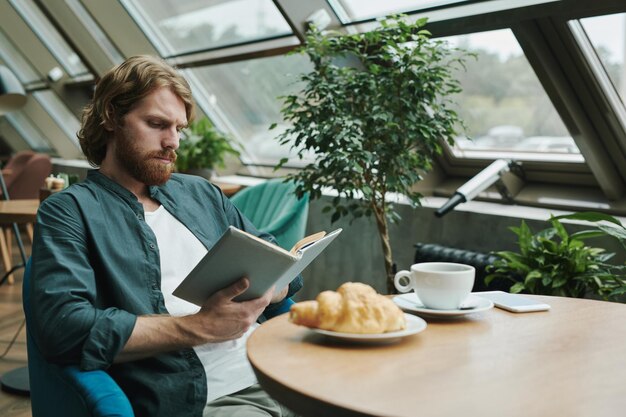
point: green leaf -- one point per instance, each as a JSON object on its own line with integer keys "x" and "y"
{"x": 586, "y": 234}
{"x": 620, "y": 234}
{"x": 517, "y": 288}
{"x": 531, "y": 276}
{"x": 590, "y": 216}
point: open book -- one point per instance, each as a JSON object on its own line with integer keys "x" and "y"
{"x": 237, "y": 254}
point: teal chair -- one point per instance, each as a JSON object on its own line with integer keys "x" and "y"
{"x": 273, "y": 207}
{"x": 66, "y": 391}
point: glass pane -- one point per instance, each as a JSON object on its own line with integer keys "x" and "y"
{"x": 90, "y": 24}
{"x": 503, "y": 103}
{"x": 31, "y": 134}
{"x": 49, "y": 37}
{"x": 177, "y": 27}
{"x": 242, "y": 98}
{"x": 16, "y": 61}
{"x": 608, "y": 36}
{"x": 355, "y": 10}
{"x": 59, "y": 113}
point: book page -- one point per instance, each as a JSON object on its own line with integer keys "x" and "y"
{"x": 306, "y": 240}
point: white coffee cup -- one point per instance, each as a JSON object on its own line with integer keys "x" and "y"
{"x": 438, "y": 285}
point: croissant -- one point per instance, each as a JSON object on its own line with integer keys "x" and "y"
{"x": 353, "y": 308}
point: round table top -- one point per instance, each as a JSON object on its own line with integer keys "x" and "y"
{"x": 569, "y": 361}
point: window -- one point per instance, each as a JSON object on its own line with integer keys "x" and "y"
{"x": 505, "y": 108}
{"x": 59, "y": 113}
{"x": 608, "y": 36}
{"x": 178, "y": 27}
{"x": 49, "y": 36}
{"x": 242, "y": 98}
{"x": 356, "y": 10}
{"x": 16, "y": 61}
{"x": 92, "y": 26}
{"x": 27, "y": 130}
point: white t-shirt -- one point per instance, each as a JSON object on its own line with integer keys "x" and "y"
{"x": 225, "y": 363}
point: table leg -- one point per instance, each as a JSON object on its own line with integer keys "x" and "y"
{"x": 6, "y": 258}
{"x": 8, "y": 236}
{"x": 29, "y": 232}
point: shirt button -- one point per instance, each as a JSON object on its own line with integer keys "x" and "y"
{"x": 152, "y": 246}
{"x": 139, "y": 216}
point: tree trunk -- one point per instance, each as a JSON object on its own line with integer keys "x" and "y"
{"x": 383, "y": 231}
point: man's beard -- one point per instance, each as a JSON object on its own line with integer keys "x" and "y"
{"x": 143, "y": 166}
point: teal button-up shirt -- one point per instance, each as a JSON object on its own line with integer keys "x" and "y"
{"x": 95, "y": 268}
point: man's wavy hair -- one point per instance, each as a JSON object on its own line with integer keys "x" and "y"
{"x": 118, "y": 91}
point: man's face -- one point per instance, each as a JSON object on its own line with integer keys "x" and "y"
{"x": 146, "y": 141}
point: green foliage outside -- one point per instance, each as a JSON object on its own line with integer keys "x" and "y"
{"x": 374, "y": 111}
{"x": 203, "y": 148}
{"x": 496, "y": 90}
{"x": 555, "y": 262}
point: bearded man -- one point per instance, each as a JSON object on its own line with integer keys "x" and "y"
{"x": 108, "y": 253}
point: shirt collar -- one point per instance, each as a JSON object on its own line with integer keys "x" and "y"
{"x": 99, "y": 178}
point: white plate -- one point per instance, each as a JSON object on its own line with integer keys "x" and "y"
{"x": 409, "y": 302}
{"x": 414, "y": 325}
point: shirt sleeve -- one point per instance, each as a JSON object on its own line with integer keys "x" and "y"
{"x": 68, "y": 327}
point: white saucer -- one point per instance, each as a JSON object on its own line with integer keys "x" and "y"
{"x": 409, "y": 302}
{"x": 414, "y": 325}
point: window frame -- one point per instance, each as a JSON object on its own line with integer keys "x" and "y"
{"x": 543, "y": 28}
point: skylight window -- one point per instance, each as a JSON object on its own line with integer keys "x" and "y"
{"x": 242, "y": 98}
{"x": 92, "y": 26}
{"x": 16, "y": 61}
{"x": 49, "y": 36}
{"x": 178, "y": 27}
{"x": 608, "y": 36}
{"x": 62, "y": 116}
{"x": 505, "y": 108}
{"x": 28, "y": 131}
{"x": 356, "y": 10}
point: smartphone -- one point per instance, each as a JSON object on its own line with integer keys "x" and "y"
{"x": 513, "y": 302}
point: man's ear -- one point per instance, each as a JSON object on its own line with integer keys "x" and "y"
{"x": 109, "y": 118}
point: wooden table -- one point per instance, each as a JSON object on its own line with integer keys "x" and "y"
{"x": 570, "y": 361}
{"x": 15, "y": 211}
{"x": 227, "y": 188}
{"x": 18, "y": 211}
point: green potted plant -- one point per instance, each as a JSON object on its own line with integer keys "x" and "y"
{"x": 375, "y": 124}
{"x": 555, "y": 262}
{"x": 203, "y": 149}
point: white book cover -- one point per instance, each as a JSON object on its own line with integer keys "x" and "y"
{"x": 239, "y": 254}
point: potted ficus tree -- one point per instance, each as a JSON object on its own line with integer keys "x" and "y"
{"x": 374, "y": 124}
{"x": 203, "y": 149}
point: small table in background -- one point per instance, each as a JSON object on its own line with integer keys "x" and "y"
{"x": 569, "y": 361}
{"x": 228, "y": 189}
{"x": 15, "y": 211}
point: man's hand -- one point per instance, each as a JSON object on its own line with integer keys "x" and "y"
{"x": 219, "y": 319}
